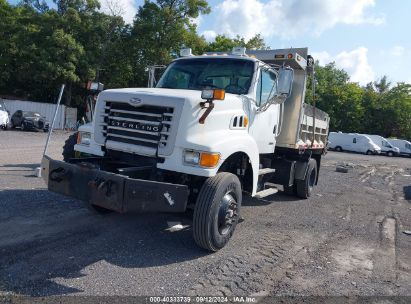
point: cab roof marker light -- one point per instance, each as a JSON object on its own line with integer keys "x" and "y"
{"x": 239, "y": 51}
{"x": 186, "y": 52}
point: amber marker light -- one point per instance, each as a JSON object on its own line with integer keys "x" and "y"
{"x": 245, "y": 121}
{"x": 290, "y": 56}
{"x": 219, "y": 94}
{"x": 209, "y": 160}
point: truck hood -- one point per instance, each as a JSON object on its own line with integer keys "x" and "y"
{"x": 189, "y": 95}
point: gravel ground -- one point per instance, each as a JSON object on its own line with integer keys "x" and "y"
{"x": 346, "y": 240}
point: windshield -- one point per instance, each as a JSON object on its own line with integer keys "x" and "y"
{"x": 31, "y": 114}
{"x": 232, "y": 75}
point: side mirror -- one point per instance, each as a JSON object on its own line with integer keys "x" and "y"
{"x": 284, "y": 85}
{"x": 285, "y": 81}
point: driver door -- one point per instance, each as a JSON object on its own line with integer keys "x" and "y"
{"x": 264, "y": 124}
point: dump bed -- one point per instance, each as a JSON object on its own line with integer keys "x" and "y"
{"x": 298, "y": 123}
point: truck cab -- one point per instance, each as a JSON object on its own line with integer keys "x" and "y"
{"x": 215, "y": 126}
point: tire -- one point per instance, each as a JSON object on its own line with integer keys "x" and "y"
{"x": 23, "y": 126}
{"x": 338, "y": 149}
{"x": 305, "y": 187}
{"x": 68, "y": 148}
{"x": 99, "y": 210}
{"x": 290, "y": 190}
{"x": 390, "y": 153}
{"x": 369, "y": 152}
{"x": 217, "y": 211}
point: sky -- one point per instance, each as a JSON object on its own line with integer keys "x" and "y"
{"x": 367, "y": 38}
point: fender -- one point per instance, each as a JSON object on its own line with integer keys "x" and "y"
{"x": 247, "y": 145}
{"x": 226, "y": 144}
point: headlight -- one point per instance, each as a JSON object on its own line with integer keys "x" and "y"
{"x": 191, "y": 157}
{"x": 203, "y": 159}
{"x": 84, "y": 138}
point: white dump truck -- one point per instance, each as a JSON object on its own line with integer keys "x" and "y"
{"x": 214, "y": 127}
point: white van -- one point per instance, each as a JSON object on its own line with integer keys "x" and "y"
{"x": 386, "y": 147}
{"x": 352, "y": 142}
{"x": 402, "y": 144}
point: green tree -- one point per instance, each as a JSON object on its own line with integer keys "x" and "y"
{"x": 337, "y": 96}
{"x": 223, "y": 43}
{"x": 161, "y": 29}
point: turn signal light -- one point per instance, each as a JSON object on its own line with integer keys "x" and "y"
{"x": 245, "y": 121}
{"x": 290, "y": 56}
{"x": 209, "y": 160}
{"x": 219, "y": 94}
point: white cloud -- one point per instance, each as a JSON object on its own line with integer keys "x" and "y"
{"x": 290, "y": 18}
{"x": 125, "y": 8}
{"x": 397, "y": 51}
{"x": 323, "y": 57}
{"x": 209, "y": 35}
{"x": 354, "y": 62}
{"x": 197, "y": 21}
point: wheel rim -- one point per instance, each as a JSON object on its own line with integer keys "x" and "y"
{"x": 228, "y": 213}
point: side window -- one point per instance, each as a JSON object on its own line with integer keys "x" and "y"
{"x": 266, "y": 88}
{"x": 408, "y": 146}
{"x": 354, "y": 140}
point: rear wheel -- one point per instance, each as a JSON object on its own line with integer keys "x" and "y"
{"x": 217, "y": 211}
{"x": 369, "y": 152}
{"x": 305, "y": 187}
{"x": 338, "y": 149}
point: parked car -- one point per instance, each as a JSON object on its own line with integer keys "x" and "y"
{"x": 402, "y": 144}
{"x": 4, "y": 116}
{"x": 386, "y": 147}
{"x": 28, "y": 120}
{"x": 352, "y": 142}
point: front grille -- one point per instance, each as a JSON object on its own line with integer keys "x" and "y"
{"x": 145, "y": 126}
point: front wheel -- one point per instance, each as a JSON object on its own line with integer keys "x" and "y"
{"x": 68, "y": 148}
{"x": 390, "y": 153}
{"x": 369, "y": 152}
{"x": 217, "y": 211}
